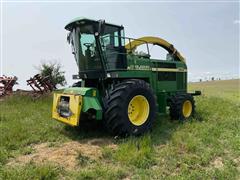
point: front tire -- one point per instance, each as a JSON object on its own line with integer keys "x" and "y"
{"x": 130, "y": 108}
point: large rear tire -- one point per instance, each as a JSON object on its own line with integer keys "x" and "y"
{"x": 130, "y": 108}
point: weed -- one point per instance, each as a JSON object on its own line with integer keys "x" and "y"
{"x": 82, "y": 159}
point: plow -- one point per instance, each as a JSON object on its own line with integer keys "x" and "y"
{"x": 40, "y": 84}
{"x": 119, "y": 86}
{"x": 6, "y": 85}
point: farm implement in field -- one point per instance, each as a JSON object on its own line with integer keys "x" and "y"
{"x": 119, "y": 85}
{"x": 40, "y": 84}
{"x": 6, "y": 85}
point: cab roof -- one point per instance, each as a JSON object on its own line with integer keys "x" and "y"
{"x": 83, "y": 20}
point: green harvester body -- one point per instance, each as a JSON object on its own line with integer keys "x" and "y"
{"x": 105, "y": 58}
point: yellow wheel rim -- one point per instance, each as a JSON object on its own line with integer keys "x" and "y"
{"x": 138, "y": 110}
{"x": 187, "y": 108}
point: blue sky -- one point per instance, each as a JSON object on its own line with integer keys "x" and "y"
{"x": 207, "y": 34}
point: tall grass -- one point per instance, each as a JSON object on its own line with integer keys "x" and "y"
{"x": 205, "y": 147}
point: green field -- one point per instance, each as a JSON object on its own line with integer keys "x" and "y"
{"x": 206, "y": 147}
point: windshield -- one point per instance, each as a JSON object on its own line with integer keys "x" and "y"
{"x": 84, "y": 48}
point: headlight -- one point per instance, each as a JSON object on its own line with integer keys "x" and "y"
{"x": 63, "y": 107}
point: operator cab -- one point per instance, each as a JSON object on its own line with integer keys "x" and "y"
{"x": 97, "y": 46}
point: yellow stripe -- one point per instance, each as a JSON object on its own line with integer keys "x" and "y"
{"x": 160, "y": 69}
{"x": 169, "y": 70}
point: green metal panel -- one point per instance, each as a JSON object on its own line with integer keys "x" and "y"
{"x": 92, "y": 103}
{"x": 166, "y": 86}
{"x": 162, "y": 102}
{"x": 84, "y": 91}
{"x": 90, "y": 99}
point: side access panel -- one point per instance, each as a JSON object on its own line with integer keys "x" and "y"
{"x": 162, "y": 102}
{"x": 75, "y": 106}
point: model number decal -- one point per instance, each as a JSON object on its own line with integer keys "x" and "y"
{"x": 138, "y": 67}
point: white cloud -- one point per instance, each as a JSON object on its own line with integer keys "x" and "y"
{"x": 207, "y": 73}
{"x": 237, "y": 21}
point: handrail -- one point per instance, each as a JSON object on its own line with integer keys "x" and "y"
{"x": 130, "y": 41}
{"x": 155, "y": 41}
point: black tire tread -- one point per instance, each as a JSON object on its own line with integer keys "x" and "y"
{"x": 176, "y": 105}
{"x": 114, "y": 120}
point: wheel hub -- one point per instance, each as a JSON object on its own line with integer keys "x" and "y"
{"x": 187, "y": 108}
{"x": 138, "y": 110}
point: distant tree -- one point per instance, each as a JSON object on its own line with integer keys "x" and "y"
{"x": 200, "y": 80}
{"x": 212, "y": 78}
{"x": 53, "y": 71}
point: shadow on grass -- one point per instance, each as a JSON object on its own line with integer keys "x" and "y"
{"x": 162, "y": 130}
{"x": 87, "y": 130}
